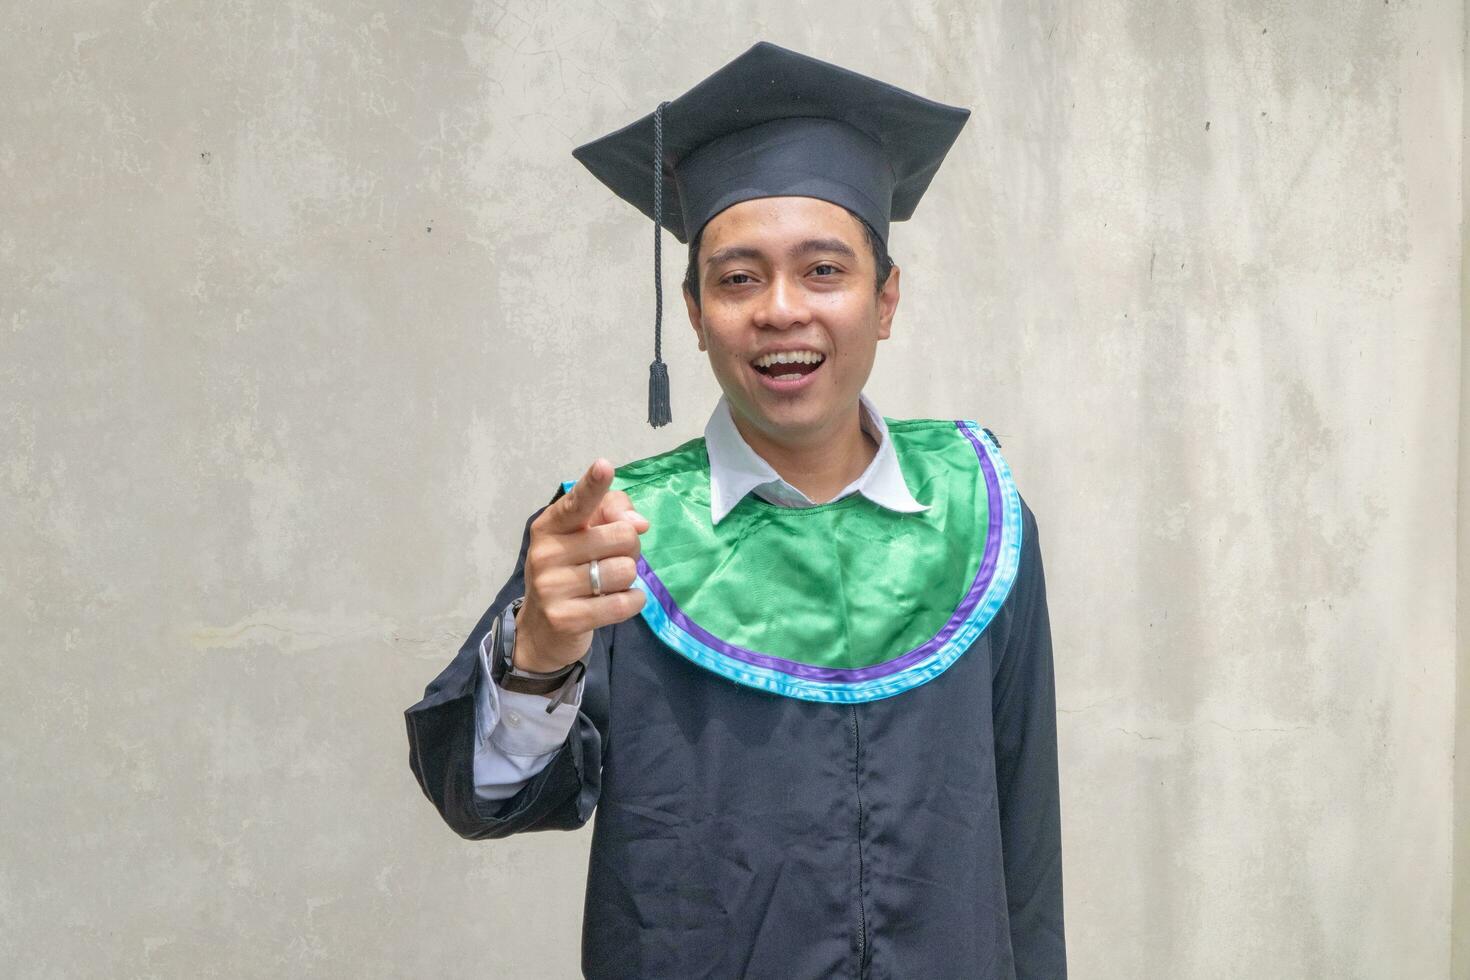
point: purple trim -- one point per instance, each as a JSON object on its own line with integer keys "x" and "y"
{"x": 983, "y": 576}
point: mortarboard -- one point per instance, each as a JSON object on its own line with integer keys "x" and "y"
{"x": 773, "y": 122}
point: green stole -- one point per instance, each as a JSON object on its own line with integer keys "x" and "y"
{"x": 841, "y": 602}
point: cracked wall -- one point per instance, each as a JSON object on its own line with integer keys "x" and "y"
{"x": 304, "y": 308}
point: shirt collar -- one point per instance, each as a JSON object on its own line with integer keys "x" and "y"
{"x": 735, "y": 469}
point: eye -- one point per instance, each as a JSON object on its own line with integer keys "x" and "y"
{"x": 826, "y": 265}
{"x": 730, "y": 279}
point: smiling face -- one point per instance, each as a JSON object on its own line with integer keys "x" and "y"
{"x": 789, "y": 315}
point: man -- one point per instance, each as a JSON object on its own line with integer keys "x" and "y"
{"x": 801, "y": 667}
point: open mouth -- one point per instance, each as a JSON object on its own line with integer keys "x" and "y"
{"x": 789, "y": 365}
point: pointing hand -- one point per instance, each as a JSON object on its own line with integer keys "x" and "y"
{"x": 554, "y": 626}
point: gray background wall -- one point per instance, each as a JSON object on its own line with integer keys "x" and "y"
{"x": 304, "y": 307}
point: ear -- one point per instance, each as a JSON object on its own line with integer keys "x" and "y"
{"x": 887, "y": 304}
{"x": 694, "y": 318}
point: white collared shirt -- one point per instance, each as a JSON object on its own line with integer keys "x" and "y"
{"x": 735, "y": 469}
{"x": 515, "y": 736}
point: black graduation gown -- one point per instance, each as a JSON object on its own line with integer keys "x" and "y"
{"x": 744, "y": 834}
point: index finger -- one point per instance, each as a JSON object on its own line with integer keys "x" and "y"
{"x": 576, "y": 507}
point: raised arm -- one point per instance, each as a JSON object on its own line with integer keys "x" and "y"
{"x": 560, "y": 622}
{"x": 442, "y": 741}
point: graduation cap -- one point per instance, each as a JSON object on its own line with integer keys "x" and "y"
{"x": 773, "y": 122}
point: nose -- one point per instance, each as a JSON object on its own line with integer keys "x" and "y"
{"x": 784, "y": 305}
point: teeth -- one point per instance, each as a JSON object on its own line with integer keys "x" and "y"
{"x": 790, "y": 357}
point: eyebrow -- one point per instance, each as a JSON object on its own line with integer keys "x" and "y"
{"x": 804, "y": 247}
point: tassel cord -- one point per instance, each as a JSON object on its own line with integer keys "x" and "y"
{"x": 659, "y": 412}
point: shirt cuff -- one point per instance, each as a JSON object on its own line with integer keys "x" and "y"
{"x": 518, "y": 724}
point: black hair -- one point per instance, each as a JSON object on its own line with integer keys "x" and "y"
{"x": 881, "y": 259}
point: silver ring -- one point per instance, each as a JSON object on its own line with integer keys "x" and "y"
{"x": 596, "y": 576}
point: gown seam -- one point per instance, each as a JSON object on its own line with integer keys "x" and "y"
{"x": 864, "y": 952}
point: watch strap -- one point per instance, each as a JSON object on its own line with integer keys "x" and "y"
{"x": 509, "y": 677}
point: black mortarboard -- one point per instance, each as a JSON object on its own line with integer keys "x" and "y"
{"x": 773, "y": 122}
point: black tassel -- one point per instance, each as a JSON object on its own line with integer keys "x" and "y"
{"x": 658, "y": 372}
{"x": 658, "y": 395}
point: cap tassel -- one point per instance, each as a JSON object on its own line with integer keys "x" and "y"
{"x": 658, "y": 395}
{"x": 658, "y": 372}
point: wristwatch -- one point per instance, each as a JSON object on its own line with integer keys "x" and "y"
{"x": 508, "y": 676}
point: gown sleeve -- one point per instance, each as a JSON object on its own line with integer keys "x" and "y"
{"x": 442, "y": 736}
{"x": 1023, "y": 699}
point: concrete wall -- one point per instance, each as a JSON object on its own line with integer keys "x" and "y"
{"x": 1460, "y": 949}
{"x": 304, "y": 307}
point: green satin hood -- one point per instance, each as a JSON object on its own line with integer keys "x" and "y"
{"x": 844, "y": 601}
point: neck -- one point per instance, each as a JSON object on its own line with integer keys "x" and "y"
{"x": 819, "y": 464}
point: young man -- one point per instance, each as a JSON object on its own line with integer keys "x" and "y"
{"x": 801, "y": 667}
